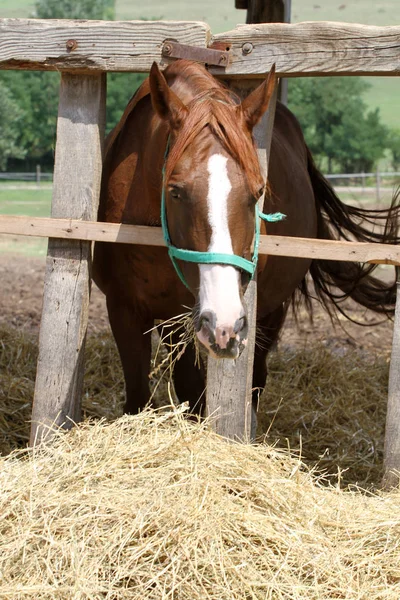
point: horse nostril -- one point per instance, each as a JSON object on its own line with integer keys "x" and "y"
{"x": 241, "y": 325}
{"x": 208, "y": 321}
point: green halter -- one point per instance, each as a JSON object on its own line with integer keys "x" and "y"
{"x": 249, "y": 266}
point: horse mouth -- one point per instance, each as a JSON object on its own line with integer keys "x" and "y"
{"x": 225, "y": 342}
{"x": 232, "y": 350}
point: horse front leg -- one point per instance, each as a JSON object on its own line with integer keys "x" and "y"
{"x": 189, "y": 381}
{"x": 134, "y": 347}
{"x": 188, "y": 375}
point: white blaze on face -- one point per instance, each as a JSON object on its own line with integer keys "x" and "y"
{"x": 219, "y": 284}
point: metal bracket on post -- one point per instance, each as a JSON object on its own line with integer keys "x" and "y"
{"x": 209, "y": 56}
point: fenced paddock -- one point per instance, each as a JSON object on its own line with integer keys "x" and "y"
{"x": 154, "y": 506}
{"x": 83, "y": 52}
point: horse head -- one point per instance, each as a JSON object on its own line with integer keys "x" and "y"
{"x": 212, "y": 182}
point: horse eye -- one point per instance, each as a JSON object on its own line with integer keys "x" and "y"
{"x": 174, "y": 191}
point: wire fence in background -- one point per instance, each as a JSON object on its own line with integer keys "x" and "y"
{"x": 381, "y": 184}
{"x": 378, "y": 183}
{"x": 37, "y": 176}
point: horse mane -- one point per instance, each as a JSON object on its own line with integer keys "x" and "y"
{"x": 215, "y": 107}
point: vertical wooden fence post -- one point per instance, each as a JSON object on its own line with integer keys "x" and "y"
{"x": 284, "y": 83}
{"x": 271, "y": 11}
{"x": 391, "y": 461}
{"x": 229, "y": 382}
{"x": 76, "y": 188}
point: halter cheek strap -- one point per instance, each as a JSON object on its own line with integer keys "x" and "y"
{"x": 249, "y": 266}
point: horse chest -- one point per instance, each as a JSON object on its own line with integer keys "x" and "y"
{"x": 151, "y": 283}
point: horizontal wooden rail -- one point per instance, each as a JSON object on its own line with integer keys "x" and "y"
{"x": 71, "y": 229}
{"x": 272, "y": 245}
{"x": 314, "y": 48}
{"x": 83, "y": 46}
{"x": 301, "y": 49}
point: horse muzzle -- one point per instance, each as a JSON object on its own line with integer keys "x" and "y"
{"x": 222, "y": 340}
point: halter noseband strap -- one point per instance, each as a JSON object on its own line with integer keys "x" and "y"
{"x": 249, "y": 266}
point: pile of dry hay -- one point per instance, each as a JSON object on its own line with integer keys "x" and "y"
{"x": 155, "y": 506}
{"x": 331, "y": 408}
{"x": 104, "y": 387}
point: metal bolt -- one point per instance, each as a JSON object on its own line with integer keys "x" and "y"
{"x": 247, "y": 48}
{"x": 71, "y": 45}
{"x": 167, "y": 49}
{"x": 222, "y": 60}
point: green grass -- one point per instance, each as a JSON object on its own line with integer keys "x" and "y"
{"x": 355, "y": 11}
{"x": 221, "y": 16}
{"x": 17, "y": 8}
{"x": 33, "y": 203}
{"x": 30, "y": 202}
{"x": 385, "y": 93}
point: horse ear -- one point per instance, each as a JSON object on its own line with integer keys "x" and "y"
{"x": 165, "y": 102}
{"x": 256, "y": 103}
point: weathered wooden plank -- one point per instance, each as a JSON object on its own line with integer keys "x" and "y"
{"x": 72, "y": 229}
{"x": 76, "y": 191}
{"x": 317, "y": 48}
{"x": 59, "y": 45}
{"x": 367, "y": 252}
{"x": 229, "y": 382}
{"x": 391, "y": 461}
{"x": 301, "y": 49}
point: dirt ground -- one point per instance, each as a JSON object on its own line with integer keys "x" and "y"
{"x": 21, "y": 289}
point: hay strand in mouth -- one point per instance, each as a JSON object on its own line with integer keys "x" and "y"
{"x": 175, "y": 336}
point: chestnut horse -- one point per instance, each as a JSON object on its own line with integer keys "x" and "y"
{"x": 185, "y": 138}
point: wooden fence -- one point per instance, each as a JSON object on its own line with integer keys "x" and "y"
{"x": 84, "y": 51}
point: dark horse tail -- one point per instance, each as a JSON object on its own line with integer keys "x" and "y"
{"x": 335, "y": 281}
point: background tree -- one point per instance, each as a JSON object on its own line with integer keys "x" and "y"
{"x": 394, "y": 147}
{"x": 120, "y": 89}
{"x": 35, "y": 94}
{"x": 75, "y": 9}
{"x": 10, "y": 114}
{"x": 341, "y": 133}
